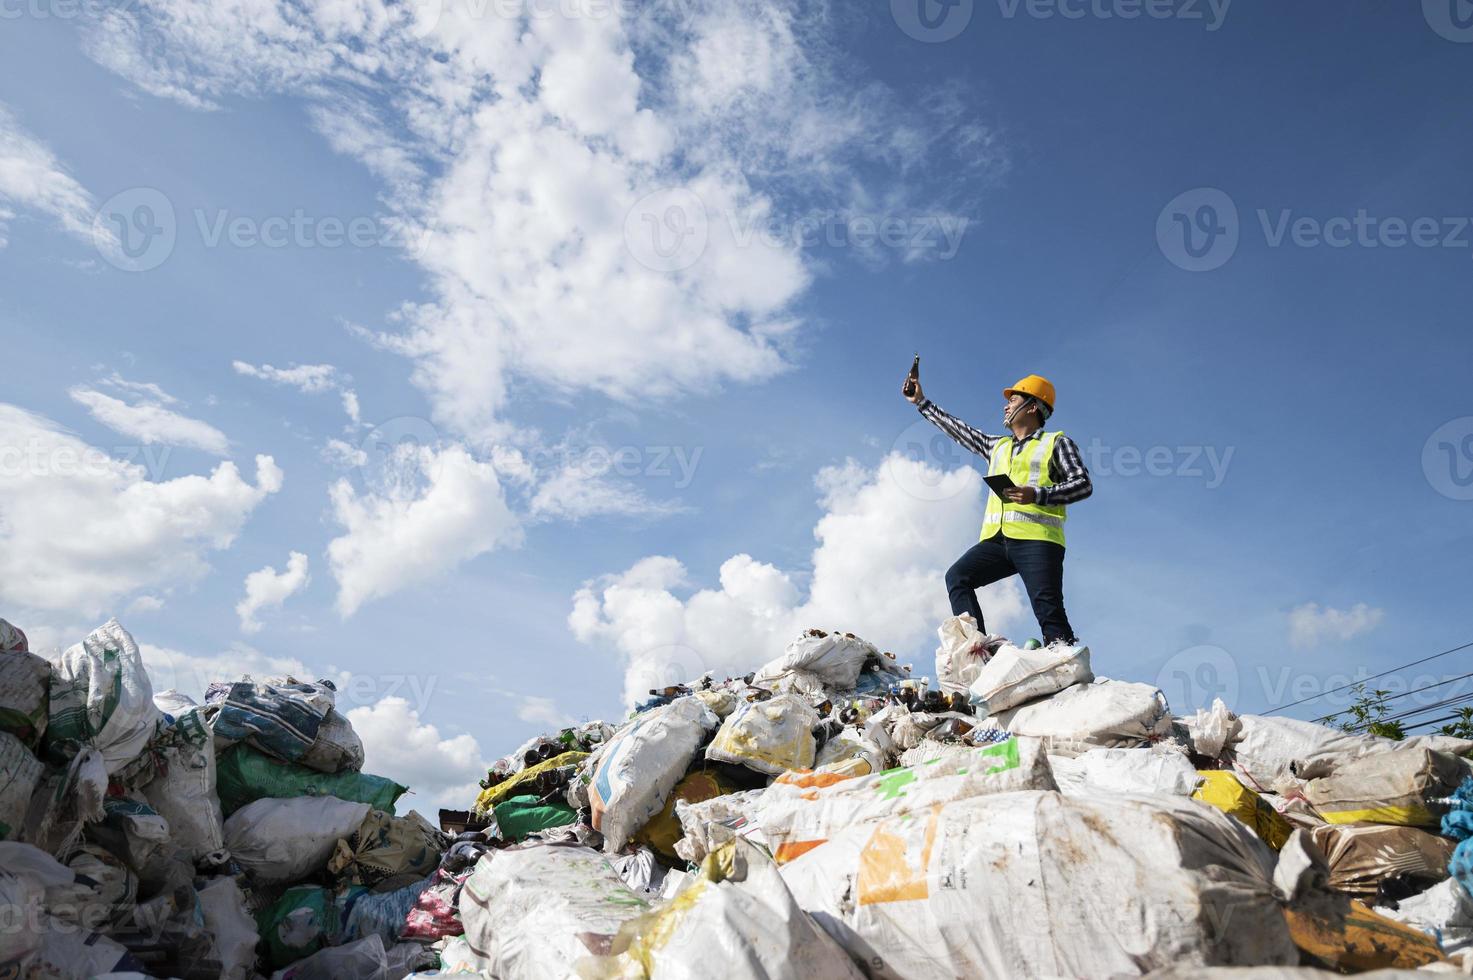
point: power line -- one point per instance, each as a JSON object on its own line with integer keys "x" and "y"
{"x": 1438, "y": 721}
{"x": 1460, "y": 699}
{"x": 1404, "y": 694}
{"x": 1363, "y": 680}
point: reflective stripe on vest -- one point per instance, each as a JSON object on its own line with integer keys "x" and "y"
{"x": 1029, "y": 522}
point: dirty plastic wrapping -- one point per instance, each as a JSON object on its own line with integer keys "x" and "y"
{"x": 1015, "y": 676}
{"x": 641, "y": 764}
{"x": 1396, "y": 787}
{"x": 817, "y": 660}
{"x": 1272, "y": 751}
{"x": 1106, "y": 714}
{"x": 183, "y": 790}
{"x": 1159, "y": 770}
{"x": 711, "y": 823}
{"x": 101, "y": 697}
{"x": 531, "y": 913}
{"x": 962, "y": 652}
{"x": 770, "y": 737}
{"x": 1037, "y": 884}
{"x": 1361, "y": 858}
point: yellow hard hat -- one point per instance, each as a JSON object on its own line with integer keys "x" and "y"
{"x": 1038, "y": 387}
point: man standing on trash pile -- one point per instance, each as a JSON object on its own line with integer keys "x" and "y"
{"x": 1023, "y": 530}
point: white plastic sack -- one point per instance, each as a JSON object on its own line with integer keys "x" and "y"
{"x": 1444, "y": 912}
{"x": 962, "y": 653}
{"x": 769, "y": 736}
{"x": 530, "y": 913}
{"x": 362, "y": 960}
{"x": 337, "y": 748}
{"x": 802, "y": 810}
{"x": 640, "y": 765}
{"x": 1147, "y": 771}
{"x": 173, "y": 702}
{"x": 65, "y": 950}
{"x": 850, "y": 753}
{"x": 20, "y": 774}
{"x": 1037, "y": 884}
{"x": 710, "y": 823}
{"x": 280, "y": 842}
{"x": 743, "y": 925}
{"x": 101, "y": 696}
{"x": 1213, "y": 730}
{"x": 1273, "y": 750}
{"x": 233, "y": 927}
{"x": 1105, "y": 714}
{"x": 183, "y": 792}
{"x": 1016, "y": 676}
{"x": 817, "y": 660}
{"x": 641, "y": 872}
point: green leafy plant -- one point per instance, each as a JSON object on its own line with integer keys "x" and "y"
{"x": 1462, "y": 727}
{"x": 1367, "y": 716}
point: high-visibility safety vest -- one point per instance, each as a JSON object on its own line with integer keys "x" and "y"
{"x": 1028, "y": 467}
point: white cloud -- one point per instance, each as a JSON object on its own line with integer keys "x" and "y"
{"x": 310, "y": 379}
{"x": 150, "y": 422}
{"x": 444, "y": 772}
{"x": 520, "y": 152}
{"x": 1310, "y": 625}
{"x": 573, "y": 494}
{"x": 146, "y": 604}
{"x": 79, "y": 529}
{"x": 266, "y": 589}
{"x": 544, "y": 712}
{"x": 445, "y": 508}
{"x": 32, "y": 177}
{"x": 878, "y": 571}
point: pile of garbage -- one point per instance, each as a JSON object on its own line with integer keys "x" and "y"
{"x": 828, "y": 816}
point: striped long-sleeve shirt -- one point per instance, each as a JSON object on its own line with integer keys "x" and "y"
{"x": 1071, "y": 482}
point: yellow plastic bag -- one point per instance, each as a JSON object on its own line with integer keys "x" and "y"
{"x": 664, "y": 830}
{"x": 488, "y": 799}
{"x": 1223, "y": 790}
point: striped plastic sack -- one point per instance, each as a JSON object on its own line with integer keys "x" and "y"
{"x": 281, "y": 718}
{"x": 101, "y": 696}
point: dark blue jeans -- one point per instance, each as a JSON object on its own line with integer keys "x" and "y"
{"x": 1039, "y": 563}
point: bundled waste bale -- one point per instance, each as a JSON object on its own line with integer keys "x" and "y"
{"x": 20, "y": 774}
{"x": 1154, "y": 771}
{"x": 100, "y": 696}
{"x": 1106, "y": 714}
{"x": 520, "y": 816}
{"x": 641, "y": 764}
{"x": 800, "y": 811}
{"x": 817, "y": 660}
{"x": 1363, "y": 858}
{"x": 709, "y": 824}
{"x": 1016, "y": 676}
{"x": 769, "y": 736}
{"x": 1269, "y": 751}
{"x": 664, "y": 830}
{"x": 283, "y": 841}
{"x": 1444, "y": 912}
{"x": 284, "y": 717}
{"x": 1225, "y": 791}
{"x": 384, "y": 848}
{"x": 305, "y": 919}
{"x": 223, "y": 907}
{"x": 963, "y": 651}
{"x": 1039, "y": 884}
{"x": 183, "y": 791}
{"x": 383, "y": 913}
{"x": 1396, "y": 787}
{"x": 245, "y": 775}
{"x": 25, "y": 684}
{"x": 850, "y": 753}
{"x": 435, "y": 915}
{"x": 738, "y": 902}
{"x": 532, "y": 912}
{"x": 533, "y": 779}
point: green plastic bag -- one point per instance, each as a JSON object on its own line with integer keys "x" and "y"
{"x": 245, "y": 775}
{"x": 303, "y": 920}
{"x": 522, "y": 815}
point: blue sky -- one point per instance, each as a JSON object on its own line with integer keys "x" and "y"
{"x": 1304, "y": 514}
